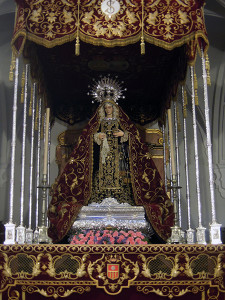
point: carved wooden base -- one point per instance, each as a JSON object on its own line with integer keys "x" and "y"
{"x": 60, "y": 271}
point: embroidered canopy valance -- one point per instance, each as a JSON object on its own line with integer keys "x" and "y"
{"x": 110, "y": 37}
{"x": 164, "y": 23}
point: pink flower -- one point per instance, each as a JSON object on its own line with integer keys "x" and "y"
{"x": 138, "y": 241}
{"x": 81, "y": 242}
{"x": 112, "y": 240}
{"x": 91, "y": 242}
{"x": 120, "y": 238}
{"x": 143, "y": 243}
{"x": 130, "y": 240}
{"x": 115, "y": 233}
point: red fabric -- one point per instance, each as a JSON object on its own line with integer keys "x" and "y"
{"x": 162, "y": 23}
{"x": 75, "y": 184}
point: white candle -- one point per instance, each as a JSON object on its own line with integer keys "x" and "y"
{"x": 46, "y": 141}
{"x": 171, "y": 142}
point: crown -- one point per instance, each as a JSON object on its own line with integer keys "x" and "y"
{"x": 106, "y": 88}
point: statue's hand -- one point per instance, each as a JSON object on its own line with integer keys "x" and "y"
{"x": 118, "y": 133}
{"x": 102, "y": 136}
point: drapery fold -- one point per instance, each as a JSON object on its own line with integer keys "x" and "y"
{"x": 74, "y": 187}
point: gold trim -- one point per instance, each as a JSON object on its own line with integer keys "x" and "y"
{"x": 112, "y": 43}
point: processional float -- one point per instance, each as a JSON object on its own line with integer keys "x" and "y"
{"x": 165, "y": 24}
{"x": 58, "y": 39}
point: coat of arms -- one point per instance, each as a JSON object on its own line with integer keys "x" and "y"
{"x": 113, "y": 271}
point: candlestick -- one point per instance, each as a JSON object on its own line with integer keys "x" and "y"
{"x": 215, "y": 234}
{"x": 171, "y": 142}
{"x": 10, "y": 227}
{"x": 46, "y": 141}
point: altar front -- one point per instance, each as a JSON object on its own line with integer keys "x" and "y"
{"x": 102, "y": 271}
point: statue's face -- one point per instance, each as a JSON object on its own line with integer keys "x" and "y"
{"x": 108, "y": 109}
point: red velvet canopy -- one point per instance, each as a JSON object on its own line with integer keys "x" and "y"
{"x": 46, "y": 32}
{"x": 164, "y": 23}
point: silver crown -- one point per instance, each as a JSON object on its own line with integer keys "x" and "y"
{"x": 106, "y": 88}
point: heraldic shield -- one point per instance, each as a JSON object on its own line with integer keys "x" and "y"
{"x": 113, "y": 271}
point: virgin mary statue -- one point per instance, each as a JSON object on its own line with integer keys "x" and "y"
{"x": 109, "y": 161}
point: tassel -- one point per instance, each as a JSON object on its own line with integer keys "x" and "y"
{"x": 195, "y": 82}
{"x": 142, "y": 29}
{"x": 77, "y": 47}
{"x": 196, "y": 97}
{"x": 11, "y": 73}
{"x": 42, "y": 127}
{"x": 185, "y": 98}
{"x": 142, "y": 46}
{"x": 36, "y": 117}
{"x": 208, "y": 78}
{"x": 31, "y": 101}
{"x": 178, "y": 119}
{"x": 185, "y": 104}
{"x": 22, "y": 86}
{"x": 12, "y": 67}
{"x": 185, "y": 111}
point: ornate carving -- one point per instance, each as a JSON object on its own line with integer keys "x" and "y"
{"x": 60, "y": 270}
{"x": 127, "y": 272}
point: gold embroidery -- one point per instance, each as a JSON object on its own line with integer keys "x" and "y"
{"x": 152, "y": 18}
{"x": 109, "y": 171}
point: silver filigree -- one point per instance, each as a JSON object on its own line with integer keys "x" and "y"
{"x": 106, "y": 88}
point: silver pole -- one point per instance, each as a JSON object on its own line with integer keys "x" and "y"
{"x": 29, "y": 232}
{"x": 11, "y": 201}
{"x": 200, "y": 229}
{"x": 48, "y": 169}
{"x": 32, "y": 154}
{"x": 190, "y": 231}
{"x": 36, "y": 232}
{"x": 24, "y": 146}
{"x": 177, "y": 161}
{"x": 170, "y": 165}
{"x": 176, "y": 232}
{"x": 43, "y": 236}
{"x": 215, "y": 235}
{"x": 10, "y": 231}
{"x": 164, "y": 157}
{"x": 20, "y": 230}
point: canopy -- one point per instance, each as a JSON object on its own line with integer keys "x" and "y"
{"x": 170, "y": 30}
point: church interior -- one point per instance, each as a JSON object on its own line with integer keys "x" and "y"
{"x": 112, "y": 149}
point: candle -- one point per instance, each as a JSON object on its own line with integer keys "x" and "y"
{"x": 46, "y": 141}
{"x": 171, "y": 142}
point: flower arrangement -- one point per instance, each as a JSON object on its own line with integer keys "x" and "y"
{"x": 92, "y": 237}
